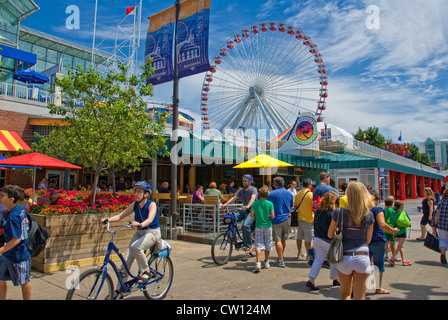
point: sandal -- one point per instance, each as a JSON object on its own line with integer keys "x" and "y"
{"x": 406, "y": 263}
{"x": 382, "y": 291}
{"x": 249, "y": 249}
{"x": 144, "y": 279}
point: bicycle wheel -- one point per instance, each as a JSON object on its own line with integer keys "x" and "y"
{"x": 222, "y": 248}
{"x": 158, "y": 289}
{"x": 89, "y": 287}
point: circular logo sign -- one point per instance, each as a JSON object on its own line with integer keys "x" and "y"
{"x": 305, "y": 130}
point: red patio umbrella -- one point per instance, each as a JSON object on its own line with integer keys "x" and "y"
{"x": 36, "y": 160}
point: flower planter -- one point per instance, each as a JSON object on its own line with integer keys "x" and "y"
{"x": 79, "y": 240}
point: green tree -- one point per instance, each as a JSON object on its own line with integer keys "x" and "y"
{"x": 372, "y": 135}
{"x": 106, "y": 124}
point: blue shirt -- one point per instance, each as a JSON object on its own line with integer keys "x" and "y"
{"x": 283, "y": 201}
{"x": 378, "y": 233}
{"x": 16, "y": 225}
{"x": 141, "y": 214}
{"x": 320, "y": 190}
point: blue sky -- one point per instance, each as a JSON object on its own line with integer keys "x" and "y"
{"x": 393, "y": 77}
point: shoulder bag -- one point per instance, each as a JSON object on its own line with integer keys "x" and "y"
{"x": 294, "y": 214}
{"x": 336, "y": 251}
{"x": 432, "y": 242}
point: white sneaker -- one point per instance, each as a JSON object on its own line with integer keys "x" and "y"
{"x": 257, "y": 267}
{"x": 266, "y": 264}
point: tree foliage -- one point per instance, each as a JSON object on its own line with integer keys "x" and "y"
{"x": 106, "y": 124}
{"x": 372, "y": 135}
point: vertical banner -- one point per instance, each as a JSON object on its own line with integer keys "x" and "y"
{"x": 192, "y": 41}
{"x": 159, "y": 45}
{"x": 192, "y": 37}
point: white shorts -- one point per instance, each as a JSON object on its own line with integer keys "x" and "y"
{"x": 263, "y": 239}
{"x": 358, "y": 264}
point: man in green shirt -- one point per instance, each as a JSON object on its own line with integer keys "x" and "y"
{"x": 212, "y": 191}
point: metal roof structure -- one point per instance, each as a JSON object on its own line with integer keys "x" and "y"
{"x": 15, "y": 11}
{"x": 49, "y": 41}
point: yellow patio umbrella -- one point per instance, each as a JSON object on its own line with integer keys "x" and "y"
{"x": 262, "y": 161}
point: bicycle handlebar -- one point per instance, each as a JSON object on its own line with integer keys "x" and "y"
{"x": 127, "y": 225}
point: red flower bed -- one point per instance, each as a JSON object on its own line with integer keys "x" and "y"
{"x": 77, "y": 202}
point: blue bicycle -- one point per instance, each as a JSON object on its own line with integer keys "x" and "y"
{"x": 97, "y": 284}
{"x": 224, "y": 242}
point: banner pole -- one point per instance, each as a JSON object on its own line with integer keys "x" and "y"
{"x": 174, "y": 135}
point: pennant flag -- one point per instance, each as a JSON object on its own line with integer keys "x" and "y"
{"x": 192, "y": 41}
{"x": 130, "y": 10}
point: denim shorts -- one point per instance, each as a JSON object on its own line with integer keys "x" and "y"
{"x": 18, "y": 273}
{"x": 358, "y": 264}
{"x": 377, "y": 251}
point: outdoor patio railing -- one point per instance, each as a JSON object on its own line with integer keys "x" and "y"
{"x": 32, "y": 93}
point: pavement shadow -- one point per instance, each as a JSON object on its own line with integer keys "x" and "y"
{"x": 324, "y": 292}
{"x": 419, "y": 292}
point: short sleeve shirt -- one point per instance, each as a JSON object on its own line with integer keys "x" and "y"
{"x": 245, "y": 195}
{"x": 262, "y": 209}
{"x": 353, "y": 237}
{"x": 16, "y": 225}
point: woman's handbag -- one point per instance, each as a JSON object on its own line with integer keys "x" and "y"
{"x": 336, "y": 251}
{"x": 431, "y": 242}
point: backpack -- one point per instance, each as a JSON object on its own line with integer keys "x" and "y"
{"x": 37, "y": 237}
{"x": 403, "y": 220}
{"x": 316, "y": 203}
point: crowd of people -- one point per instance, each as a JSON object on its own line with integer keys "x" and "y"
{"x": 368, "y": 230}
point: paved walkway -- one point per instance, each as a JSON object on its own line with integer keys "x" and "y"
{"x": 196, "y": 277}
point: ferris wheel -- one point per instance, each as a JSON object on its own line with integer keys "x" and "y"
{"x": 262, "y": 78}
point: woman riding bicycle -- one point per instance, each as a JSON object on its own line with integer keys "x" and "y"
{"x": 147, "y": 225}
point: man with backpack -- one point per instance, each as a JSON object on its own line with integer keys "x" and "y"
{"x": 15, "y": 258}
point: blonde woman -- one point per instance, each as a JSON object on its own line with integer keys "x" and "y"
{"x": 357, "y": 229}
{"x": 427, "y": 209}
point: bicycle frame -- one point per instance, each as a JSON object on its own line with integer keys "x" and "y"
{"x": 125, "y": 286}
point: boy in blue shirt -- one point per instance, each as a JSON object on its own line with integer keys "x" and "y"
{"x": 15, "y": 259}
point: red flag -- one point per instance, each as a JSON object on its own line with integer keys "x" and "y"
{"x": 129, "y": 10}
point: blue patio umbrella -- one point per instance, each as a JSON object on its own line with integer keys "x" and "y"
{"x": 30, "y": 76}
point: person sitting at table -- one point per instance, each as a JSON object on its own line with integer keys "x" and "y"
{"x": 222, "y": 188}
{"x": 212, "y": 191}
{"x": 164, "y": 187}
{"x": 198, "y": 195}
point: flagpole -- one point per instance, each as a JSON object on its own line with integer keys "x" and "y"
{"x": 94, "y": 31}
{"x": 174, "y": 136}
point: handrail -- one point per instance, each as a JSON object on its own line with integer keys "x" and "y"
{"x": 365, "y": 148}
{"x": 34, "y": 94}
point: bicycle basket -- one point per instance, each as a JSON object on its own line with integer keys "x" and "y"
{"x": 229, "y": 219}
